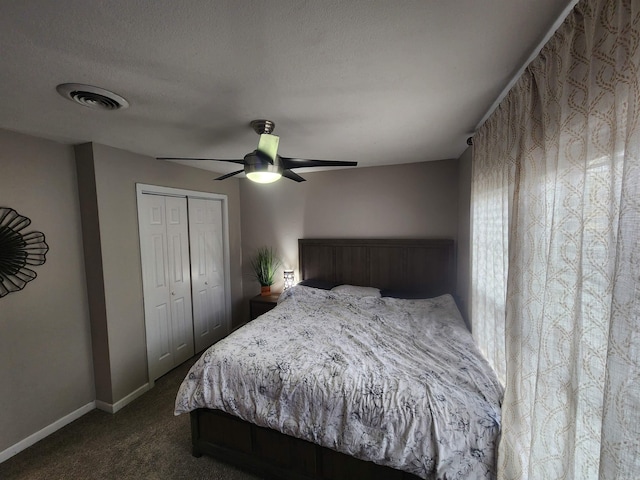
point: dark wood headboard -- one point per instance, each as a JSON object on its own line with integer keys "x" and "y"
{"x": 425, "y": 266}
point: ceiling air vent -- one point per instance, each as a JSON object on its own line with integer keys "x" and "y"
{"x": 92, "y": 97}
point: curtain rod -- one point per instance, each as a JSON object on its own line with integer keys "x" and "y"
{"x": 533, "y": 55}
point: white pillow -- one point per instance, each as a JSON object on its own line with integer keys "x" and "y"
{"x": 357, "y": 291}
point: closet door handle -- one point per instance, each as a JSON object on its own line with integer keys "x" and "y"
{"x": 173, "y": 293}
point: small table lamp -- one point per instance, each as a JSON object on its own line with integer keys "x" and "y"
{"x": 288, "y": 279}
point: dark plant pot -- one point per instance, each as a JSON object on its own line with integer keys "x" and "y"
{"x": 265, "y": 290}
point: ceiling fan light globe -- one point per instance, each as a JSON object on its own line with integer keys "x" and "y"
{"x": 264, "y": 177}
{"x": 263, "y": 172}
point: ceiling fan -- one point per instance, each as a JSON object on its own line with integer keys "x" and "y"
{"x": 264, "y": 165}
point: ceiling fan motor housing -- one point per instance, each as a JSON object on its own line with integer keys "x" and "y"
{"x": 263, "y": 126}
{"x": 260, "y": 168}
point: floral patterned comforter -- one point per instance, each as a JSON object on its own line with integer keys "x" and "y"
{"x": 397, "y": 382}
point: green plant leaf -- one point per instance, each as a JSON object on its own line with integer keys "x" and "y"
{"x": 265, "y": 263}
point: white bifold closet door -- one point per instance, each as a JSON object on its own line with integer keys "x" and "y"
{"x": 164, "y": 231}
{"x": 207, "y": 271}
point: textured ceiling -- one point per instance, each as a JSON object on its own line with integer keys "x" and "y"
{"x": 375, "y": 81}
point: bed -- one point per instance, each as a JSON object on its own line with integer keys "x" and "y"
{"x": 365, "y": 370}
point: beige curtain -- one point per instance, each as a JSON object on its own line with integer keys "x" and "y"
{"x": 556, "y": 251}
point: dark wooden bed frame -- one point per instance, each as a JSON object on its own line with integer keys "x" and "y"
{"x": 418, "y": 267}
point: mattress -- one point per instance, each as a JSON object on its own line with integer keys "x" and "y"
{"x": 399, "y": 382}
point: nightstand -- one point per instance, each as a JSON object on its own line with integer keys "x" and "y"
{"x": 262, "y": 304}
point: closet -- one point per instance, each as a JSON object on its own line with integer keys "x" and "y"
{"x": 184, "y": 255}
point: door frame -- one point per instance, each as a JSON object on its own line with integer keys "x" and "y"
{"x": 147, "y": 189}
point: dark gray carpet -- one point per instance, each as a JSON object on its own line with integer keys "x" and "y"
{"x": 144, "y": 440}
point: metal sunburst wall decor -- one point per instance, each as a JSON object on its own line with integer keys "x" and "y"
{"x": 18, "y": 250}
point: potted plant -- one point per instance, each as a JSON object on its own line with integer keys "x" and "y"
{"x": 264, "y": 264}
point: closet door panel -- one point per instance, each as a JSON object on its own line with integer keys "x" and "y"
{"x": 179, "y": 278}
{"x": 207, "y": 274}
{"x": 164, "y": 244}
{"x": 163, "y": 327}
{"x": 155, "y": 273}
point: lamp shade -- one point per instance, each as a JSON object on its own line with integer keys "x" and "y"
{"x": 288, "y": 279}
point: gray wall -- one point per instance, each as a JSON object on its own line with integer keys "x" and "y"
{"x": 45, "y": 346}
{"x": 412, "y": 200}
{"x": 47, "y": 356}
{"x": 124, "y": 369}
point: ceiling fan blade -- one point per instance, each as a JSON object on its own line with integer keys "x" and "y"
{"x": 257, "y": 157}
{"x": 229, "y": 175}
{"x": 292, "y": 176}
{"x": 241, "y": 162}
{"x": 289, "y": 163}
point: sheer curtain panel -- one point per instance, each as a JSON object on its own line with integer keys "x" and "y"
{"x": 556, "y": 251}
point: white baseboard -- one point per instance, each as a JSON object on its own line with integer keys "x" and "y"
{"x": 46, "y": 431}
{"x": 114, "y": 407}
{"x": 67, "y": 419}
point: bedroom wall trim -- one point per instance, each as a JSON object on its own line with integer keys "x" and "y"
{"x": 114, "y": 407}
{"x": 46, "y": 431}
